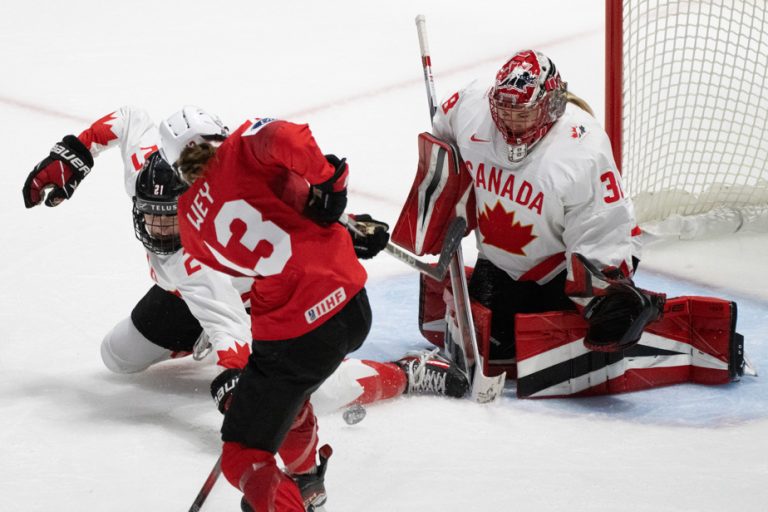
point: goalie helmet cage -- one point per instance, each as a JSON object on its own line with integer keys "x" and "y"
{"x": 686, "y": 111}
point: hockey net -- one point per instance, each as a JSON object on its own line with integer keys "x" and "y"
{"x": 687, "y": 112}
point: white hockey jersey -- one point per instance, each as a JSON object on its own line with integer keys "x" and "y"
{"x": 565, "y": 197}
{"x": 216, "y": 300}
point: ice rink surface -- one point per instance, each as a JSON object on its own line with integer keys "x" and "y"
{"x": 74, "y": 437}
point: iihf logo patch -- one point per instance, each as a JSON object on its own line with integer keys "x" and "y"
{"x": 325, "y": 306}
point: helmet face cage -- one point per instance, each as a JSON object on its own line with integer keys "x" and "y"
{"x": 155, "y": 222}
{"x": 528, "y": 89}
{"x": 151, "y": 231}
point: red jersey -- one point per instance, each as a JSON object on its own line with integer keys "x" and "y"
{"x": 244, "y": 217}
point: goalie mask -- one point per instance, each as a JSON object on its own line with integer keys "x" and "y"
{"x": 155, "y": 204}
{"x": 188, "y": 127}
{"x": 527, "y": 97}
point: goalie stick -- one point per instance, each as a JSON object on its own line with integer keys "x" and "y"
{"x": 451, "y": 244}
{"x": 207, "y": 486}
{"x": 484, "y": 388}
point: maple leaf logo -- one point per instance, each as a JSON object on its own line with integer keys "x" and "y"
{"x": 100, "y": 132}
{"x": 578, "y": 132}
{"x": 499, "y": 229}
{"x": 234, "y": 358}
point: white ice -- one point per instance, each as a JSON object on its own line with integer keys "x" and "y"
{"x": 74, "y": 437}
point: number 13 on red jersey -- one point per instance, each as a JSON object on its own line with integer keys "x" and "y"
{"x": 248, "y": 246}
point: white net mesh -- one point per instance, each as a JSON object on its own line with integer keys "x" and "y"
{"x": 695, "y": 110}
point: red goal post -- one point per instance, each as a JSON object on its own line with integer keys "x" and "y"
{"x": 687, "y": 111}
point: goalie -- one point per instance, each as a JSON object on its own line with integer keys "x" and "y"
{"x": 553, "y": 298}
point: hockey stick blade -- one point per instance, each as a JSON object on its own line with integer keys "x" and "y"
{"x": 486, "y": 389}
{"x": 453, "y": 237}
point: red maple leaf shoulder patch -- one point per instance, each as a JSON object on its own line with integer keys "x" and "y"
{"x": 100, "y": 132}
{"x": 499, "y": 229}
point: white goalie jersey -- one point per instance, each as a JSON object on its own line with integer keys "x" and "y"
{"x": 564, "y": 197}
{"x": 214, "y": 299}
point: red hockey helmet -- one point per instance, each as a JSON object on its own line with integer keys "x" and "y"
{"x": 527, "y": 97}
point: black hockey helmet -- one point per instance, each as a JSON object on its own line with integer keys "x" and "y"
{"x": 158, "y": 188}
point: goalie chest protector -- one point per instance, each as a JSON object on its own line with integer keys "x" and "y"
{"x": 441, "y": 190}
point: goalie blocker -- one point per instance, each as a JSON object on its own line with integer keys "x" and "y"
{"x": 440, "y": 193}
{"x": 695, "y": 341}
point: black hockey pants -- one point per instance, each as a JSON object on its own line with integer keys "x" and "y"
{"x": 280, "y": 376}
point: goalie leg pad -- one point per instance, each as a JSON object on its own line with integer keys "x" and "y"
{"x": 432, "y": 308}
{"x": 707, "y": 329}
{"x": 695, "y": 342}
{"x": 463, "y": 355}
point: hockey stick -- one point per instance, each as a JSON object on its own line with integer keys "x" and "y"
{"x": 207, "y": 486}
{"x": 484, "y": 388}
{"x": 452, "y": 242}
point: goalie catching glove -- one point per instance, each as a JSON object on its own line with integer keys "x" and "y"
{"x": 327, "y": 200}
{"x": 615, "y": 309}
{"x": 68, "y": 163}
{"x": 369, "y": 236}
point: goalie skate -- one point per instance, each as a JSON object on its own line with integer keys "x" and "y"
{"x": 430, "y": 374}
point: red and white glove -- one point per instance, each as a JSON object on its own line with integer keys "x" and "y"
{"x": 68, "y": 163}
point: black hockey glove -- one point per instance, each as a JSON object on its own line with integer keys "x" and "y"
{"x": 618, "y": 318}
{"x": 62, "y": 171}
{"x": 326, "y": 201}
{"x": 374, "y": 237}
{"x": 615, "y": 309}
{"x": 223, "y": 388}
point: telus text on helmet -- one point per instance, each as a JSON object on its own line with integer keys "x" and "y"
{"x": 163, "y": 208}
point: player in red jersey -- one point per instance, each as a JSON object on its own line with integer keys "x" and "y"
{"x": 263, "y": 203}
{"x": 191, "y": 305}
